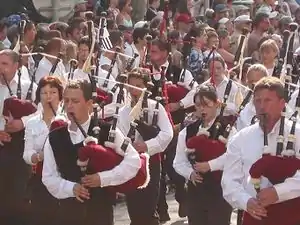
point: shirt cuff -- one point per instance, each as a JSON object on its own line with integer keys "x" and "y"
{"x": 153, "y": 147}
{"x": 69, "y": 187}
{"x": 213, "y": 165}
{"x": 281, "y": 191}
{"x": 105, "y": 178}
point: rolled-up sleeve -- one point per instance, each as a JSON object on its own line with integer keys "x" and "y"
{"x": 164, "y": 137}
{"x": 28, "y": 148}
{"x": 233, "y": 176}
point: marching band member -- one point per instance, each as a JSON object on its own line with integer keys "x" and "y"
{"x": 254, "y": 74}
{"x": 268, "y": 53}
{"x": 83, "y": 53}
{"x": 14, "y": 173}
{"x": 217, "y": 67}
{"x": 206, "y": 204}
{"x": 61, "y": 174}
{"x": 269, "y": 102}
{"x": 138, "y": 46}
{"x": 54, "y": 47}
{"x": 142, "y": 203}
{"x": 49, "y": 94}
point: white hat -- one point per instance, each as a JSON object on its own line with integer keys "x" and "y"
{"x": 140, "y": 24}
{"x": 223, "y": 20}
{"x": 242, "y": 18}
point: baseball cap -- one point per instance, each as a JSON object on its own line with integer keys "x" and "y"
{"x": 242, "y": 18}
{"x": 221, "y": 8}
{"x": 184, "y": 18}
{"x": 223, "y": 20}
{"x": 140, "y": 24}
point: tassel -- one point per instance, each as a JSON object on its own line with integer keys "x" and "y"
{"x": 137, "y": 109}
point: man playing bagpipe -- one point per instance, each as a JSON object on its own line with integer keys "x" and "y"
{"x": 84, "y": 200}
{"x": 15, "y": 111}
{"x": 268, "y": 153}
{"x": 154, "y": 133}
{"x": 200, "y": 156}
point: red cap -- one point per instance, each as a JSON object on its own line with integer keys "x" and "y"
{"x": 184, "y": 18}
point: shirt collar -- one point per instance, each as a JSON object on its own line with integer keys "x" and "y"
{"x": 85, "y": 126}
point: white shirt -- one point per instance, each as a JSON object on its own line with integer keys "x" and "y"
{"x": 131, "y": 50}
{"x": 106, "y": 61}
{"x": 246, "y": 115}
{"x": 36, "y": 133}
{"x": 164, "y": 137}
{"x": 4, "y": 94}
{"x": 244, "y": 149}
{"x": 44, "y": 69}
{"x": 181, "y": 163}
{"x": 61, "y": 188}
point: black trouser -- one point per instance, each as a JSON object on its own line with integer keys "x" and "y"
{"x": 98, "y": 210}
{"x": 44, "y": 206}
{"x": 142, "y": 203}
{"x": 176, "y": 179}
{"x": 206, "y": 204}
{"x": 14, "y": 176}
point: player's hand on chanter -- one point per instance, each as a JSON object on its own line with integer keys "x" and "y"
{"x": 81, "y": 193}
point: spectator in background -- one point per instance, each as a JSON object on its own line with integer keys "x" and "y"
{"x": 225, "y": 24}
{"x": 75, "y": 30}
{"x": 113, "y": 8}
{"x": 152, "y": 10}
{"x": 3, "y": 34}
{"x": 183, "y": 23}
{"x": 124, "y": 17}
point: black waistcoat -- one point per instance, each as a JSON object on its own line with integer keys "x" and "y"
{"x": 173, "y": 74}
{"x": 66, "y": 153}
{"x": 192, "y": 129}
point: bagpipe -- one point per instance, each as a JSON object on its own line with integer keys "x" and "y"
{"x": 277, "y": 168}
{"x": 73, "y": 65}
{"x": 93, "y": 157}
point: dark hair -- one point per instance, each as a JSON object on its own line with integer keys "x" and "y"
{"x": 206, "y": 91}
{"x": 83, "y": 85}
{"x": 259, "y": 17}
{"x": 122, "y": 4}
{"x": 54, "y": 82}
{"x": 140, "y": 73}
{"x": 54, "y": 44}
{"x": 139, "y": 33}
{"x": 84, "y": 41}
{"x": 161, "y": 44}
{"x": 115, "y": 37}
{"x": 217, "y": 59}
{"x": 271, "y": 84}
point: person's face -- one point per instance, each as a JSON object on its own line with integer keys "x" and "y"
{"x": 202, "y": 40}
{"x": 3, "y": 34}
{"x": 135, "y": 93}
{"x": 8, "y": 68}
{"x": 226, "y": 43}
{"x": 217, "y": 68}
{"x": 30, "y": 34}
{"x": 213, "y": 41}
{"x": 229, "y": 27}
{"x": 206, "y": 108}
{"x": 128, "y": 7}
{"x": 156, "y": 4}
{"x": 48, "y": 95}
{"x": 265, "y": 24}
{"x": 128, "y": 36}
{"x": 267, "y": 102}
{"x": 253, "y": 77}
{"x": 268, "y": 55}
{"x": 157, "y": 55}
{"x": 223, "y": 15}
{"x": 76, "y": 104}
{"x": 83, "y": 52}
{"x": 77, "y": 34}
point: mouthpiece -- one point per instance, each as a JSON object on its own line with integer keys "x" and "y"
{"x": 118, "y": 49}
{"x": 73, "y": 62}
{"x": 103, "y": 14}
{"x": 89, "y": 15}
{"x": 148, "y": 38}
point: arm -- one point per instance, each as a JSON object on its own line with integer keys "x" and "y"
{"x": 227, "y": 56}
{"x": 126, "y": 170}
{"x": 56, "y": 185}
{"x": 164, "y": 137}
{"x": 181, "y": 164}
{"x": 28, "y": 146}
{"x": 188, "y": 100}
{"x": 233, "y": 177}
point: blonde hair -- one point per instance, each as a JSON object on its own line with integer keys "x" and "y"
{"x": 272, "y": 84}
{"x": 269, "y": 44}
{"x": 258, "y": 68}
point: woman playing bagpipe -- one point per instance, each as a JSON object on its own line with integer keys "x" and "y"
{"x": 267, "y": 201}
{"x": 200, "y": 157}
{"x": 49, "y": 94}
{"x": 153, "y": 134}
{"x": 15, "y": 112}
{"x": 84, "y": 200}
